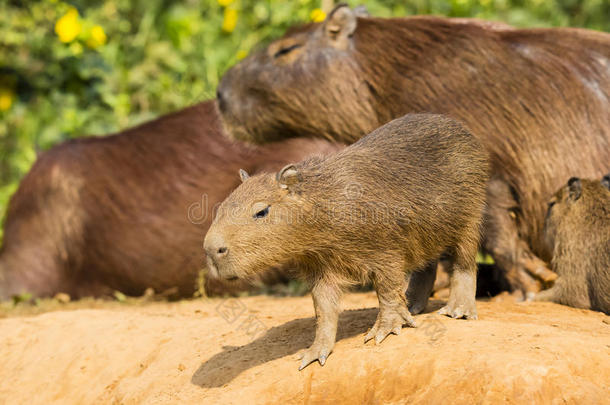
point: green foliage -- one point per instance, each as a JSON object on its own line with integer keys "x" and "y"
{"x": 70, "y": 69}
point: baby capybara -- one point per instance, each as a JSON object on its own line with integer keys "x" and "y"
{"x": 129, "y": 211}
{"x": 390, "y": 204}
{"x": 537, "y": 99}
{"x": 577, "y": 228}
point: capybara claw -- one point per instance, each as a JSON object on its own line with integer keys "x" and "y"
{"x": 312, "y": 354}
{"x": 370, "y": 334}
{"x": 390, "y": 323}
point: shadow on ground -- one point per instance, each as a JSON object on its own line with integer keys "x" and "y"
{"x": 280, "y": 341}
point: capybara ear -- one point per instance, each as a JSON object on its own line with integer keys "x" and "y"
{"x": 575, "y": 188}
{"x": 288, "y": 176}
{"x": 361, "y": 11}
{"x": 243, "y": 175}
{"x": 606, "y": 181}
{"x": 341, "y": 22}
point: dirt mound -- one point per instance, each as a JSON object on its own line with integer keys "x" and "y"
{"x": 244, "y": 351}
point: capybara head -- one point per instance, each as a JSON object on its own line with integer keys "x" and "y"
{"x": 575, "y": 201}
{"x": 254, "y": 227}
{"x": 263, "y": 97}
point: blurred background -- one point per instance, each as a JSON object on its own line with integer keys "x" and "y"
{"x": 91, "y": 67}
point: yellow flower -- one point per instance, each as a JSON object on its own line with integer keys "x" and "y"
{"x": 97, "y": 37}
{"x": 7, "y": 97}
{"x": 230, "y": 20}
{"x": 68, "y": 26}
{"x": 225, "y": 3}
{"x": 317, "y": 15}
{"x": 241, "y": 54}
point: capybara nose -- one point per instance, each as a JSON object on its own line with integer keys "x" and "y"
{"x": 215, "y": 247}
{"x": 222, "y": 101}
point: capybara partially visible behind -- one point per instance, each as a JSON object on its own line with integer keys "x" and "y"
{"x": 128, "y": 211}
{"x": 577, "y": 228}
{"x": 538, "y": 100}
{"x": 390, "y": 204}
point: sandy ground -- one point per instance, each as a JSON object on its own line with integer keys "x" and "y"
{"x": 244, "y": 351}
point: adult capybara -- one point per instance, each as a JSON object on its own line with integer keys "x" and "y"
{"x": 538, "y": 99}
{"x": 390, "y": 204}
{"x": 577, "y": 228}
{"x": 128, "y": 211}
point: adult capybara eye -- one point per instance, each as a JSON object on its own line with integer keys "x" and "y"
{"x": 551, "y": 204}
{"x": 286, "y": 50}
{"x": 262, "y": 213}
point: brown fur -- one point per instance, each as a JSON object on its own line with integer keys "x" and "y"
{"x": 578, "y": 231}
{"x": 390, "y": 204}
{"x": 538, "y": 99}
{"x": 112, "y": 213}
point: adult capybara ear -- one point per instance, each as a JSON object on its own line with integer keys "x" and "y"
{"x": 340, "y": 23}
{"x": 361, "y": 11}
{"x": 288, "y": 176}
{"x": 243, "y": 175}
{"x": 606, "y": 181}
{"x": 574, "y": 188}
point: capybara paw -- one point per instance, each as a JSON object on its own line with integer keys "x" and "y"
{"x": 388, "y": 322}
{"x": 459, "y": 311}
{"x": 315, "y": 352}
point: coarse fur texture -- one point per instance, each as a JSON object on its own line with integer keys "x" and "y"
{"x": 577, "y": 229}
{"x": 537, "y": 99}
{"x": 390, "y": 204}
{"x": 129, "y": 211}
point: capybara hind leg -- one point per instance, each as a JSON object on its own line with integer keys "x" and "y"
{"x": 326, "y": 296}
{"x": 420, "y": 287}
{"x": 463, "y": 280}
{"x": 393, "y": 313}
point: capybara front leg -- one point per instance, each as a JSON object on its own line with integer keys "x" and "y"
{"x": 550, "y": 295}
{"x": 420, "y": 287}
{"x": 463, "y": 281}
{"x": 326, "y": 298}
{"x": 393, "y": 313}
{"x": 502, "y": 240}
{"x": 574, "y": 294}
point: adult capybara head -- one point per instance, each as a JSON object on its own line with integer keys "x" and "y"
{"x": 573, "y": 203}
{"x": 243, "y": 238}
{"x": 263, "y": 97}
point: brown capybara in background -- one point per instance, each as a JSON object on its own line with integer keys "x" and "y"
{"x": 129, "y": 211}
{"x": 389, "y": 204}
{"x": 577, "y": 228}
{"x": 538, "y": 99}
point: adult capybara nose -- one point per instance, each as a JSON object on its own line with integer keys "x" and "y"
{"x": 222, "y": 101}
{"x": 215, "y": 246}
{"x": 223, "y": 92}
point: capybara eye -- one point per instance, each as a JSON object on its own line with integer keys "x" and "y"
{"x": 262, "y": 213}
{"x": 286, "y": 50}
{"x": 551, "y": 203}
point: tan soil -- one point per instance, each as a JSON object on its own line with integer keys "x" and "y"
{"x": 186, "y": 352}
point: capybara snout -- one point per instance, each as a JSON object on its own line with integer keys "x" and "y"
{"x": 215, "y": 247}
